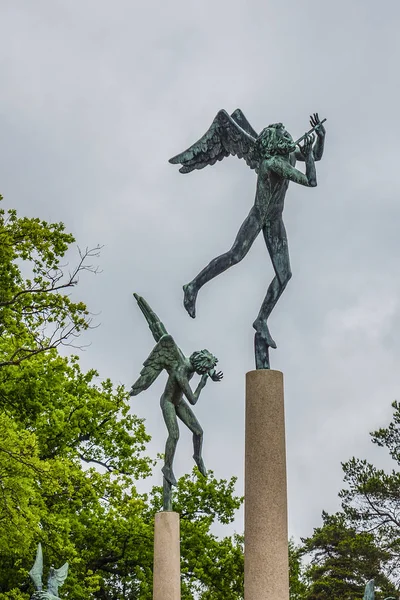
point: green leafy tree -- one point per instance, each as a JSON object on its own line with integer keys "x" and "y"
{"x": 371, "y": 499}
{"x": 63, "y": 420}
{"x": 343, "y": 561}
{"x": 35, "y": 313}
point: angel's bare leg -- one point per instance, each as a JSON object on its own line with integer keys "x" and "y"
{"x": 187, "y": 417}
{"x": 276, "y": 240}
{"x": 169, "y": 414}
{"x": 248, "y": 232}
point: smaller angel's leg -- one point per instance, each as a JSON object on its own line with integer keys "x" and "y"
{"x": 248, "y": 232}
{"x": 169, "y": 414}
{"x": 187, "y": 417}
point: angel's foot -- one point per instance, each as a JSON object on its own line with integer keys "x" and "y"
{"x": 261, "y": 352}
{"x": 189, "y": 299}
{"x": 169, "y": 475}
{"x": 200, "y": 465}
{"x": 262, "y": 328}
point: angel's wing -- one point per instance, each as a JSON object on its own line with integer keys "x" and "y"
{"x": 36, "y": 572}
{"x": 156, "y": 326}
{"x": 57, "y": 578}
{"x": 369, "y": 593}
{"x": 225, "y": 136}
{"x": 165, "y": 355}
{"x": 241, "y": 120}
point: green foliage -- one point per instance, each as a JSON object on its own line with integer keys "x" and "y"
{"x": 297, "y": 586}
{"x": 19, "y": 462}
{"x": 35, "y": 313}
{"x": 342, "y": 561}
{"x": 363, "y": 542}
{"x": 53, "y": 417}
{"x": 371, "y": 500}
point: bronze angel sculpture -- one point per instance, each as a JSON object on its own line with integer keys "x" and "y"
{"x": 369, "y": 591}
{"x": 55, "y": 580}
{"x": 273, "y": 155}
{"x": 167, "y": 356}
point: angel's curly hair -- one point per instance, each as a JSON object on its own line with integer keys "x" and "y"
{"x": 269, "y": 143}
{"x": 203, "y": 361}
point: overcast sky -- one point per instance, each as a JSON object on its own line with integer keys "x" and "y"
{"x": 96, "y": 96}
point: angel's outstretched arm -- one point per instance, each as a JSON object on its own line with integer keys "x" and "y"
{"x": 187, "y": 390}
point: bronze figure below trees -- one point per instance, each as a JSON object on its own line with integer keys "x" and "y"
{"x": 55, "y": 580}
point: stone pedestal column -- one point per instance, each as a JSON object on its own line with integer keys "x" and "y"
{"x": 266, "y": 569}
{"x": 167, "y": 567}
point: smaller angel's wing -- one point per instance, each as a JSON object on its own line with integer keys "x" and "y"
{"x": 224, "y": 137}
{"x": 36, "y": 573}
{"x": 165, "y": 355}
{"x": 156, "y": 326}
{"x": 369, "y": 593}
{"x": 241, "y": 120}
{"x": 57, "y": 578}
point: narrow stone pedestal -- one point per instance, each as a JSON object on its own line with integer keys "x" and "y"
{"x": 266, "y": 569}
{"x": 167, "y": 559}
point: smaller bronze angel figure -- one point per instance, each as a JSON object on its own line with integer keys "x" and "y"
{"x": 55, "y": 580}
{"x": 167, "y": 356}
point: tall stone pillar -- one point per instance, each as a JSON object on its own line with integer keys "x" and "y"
{"x": 266, "y": 568}
{"x": 167, "y": 566}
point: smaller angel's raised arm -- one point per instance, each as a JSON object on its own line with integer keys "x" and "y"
{"x": 187, "y": 390}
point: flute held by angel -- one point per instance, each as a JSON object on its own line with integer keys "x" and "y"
{"x": 317, "y": 126}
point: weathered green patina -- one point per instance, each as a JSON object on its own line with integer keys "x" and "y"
{"x": 273, "y": 155}
{"x": 369, "y": 592}
{"x": 55, "y": 580}
{"x": 167, "y": 356}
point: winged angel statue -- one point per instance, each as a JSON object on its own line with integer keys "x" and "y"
{"x": 167, "y": 356}
{"x": 273, "y": 155}
{"x": 55, "y": 580}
